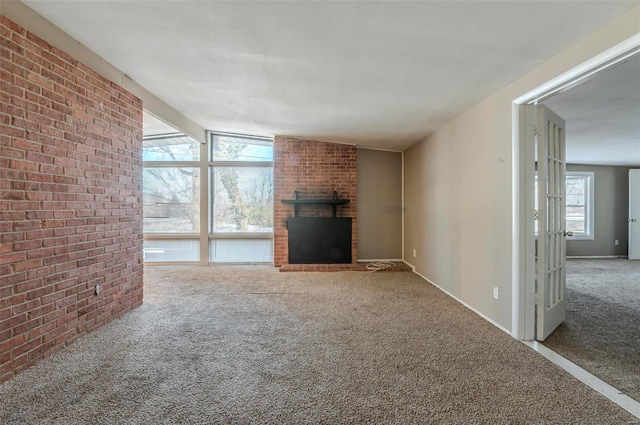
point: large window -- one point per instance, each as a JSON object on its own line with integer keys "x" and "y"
{"x": 241, "y": 198}
{"x": 208, "y": 202}
{"x": 171, "y": 187}
{"x": 242, "y": 184}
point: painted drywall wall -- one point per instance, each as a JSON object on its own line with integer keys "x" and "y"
{"x": 458, "y": 187}
{"x": 379, "y": 204}
{"x": 611, "y": 209}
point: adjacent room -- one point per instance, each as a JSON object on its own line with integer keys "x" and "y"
{"x": 319, "y": 212}
{"x": 603, "y": 302}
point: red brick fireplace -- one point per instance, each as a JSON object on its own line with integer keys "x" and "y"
{"x": 315, "y": 170}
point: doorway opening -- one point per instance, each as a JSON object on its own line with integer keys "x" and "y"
{"x": 603, "y": 299}
{"x": 525, "y": 291}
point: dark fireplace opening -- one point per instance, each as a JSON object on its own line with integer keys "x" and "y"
{"x": 319, "y": 240}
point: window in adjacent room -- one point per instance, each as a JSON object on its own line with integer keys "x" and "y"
{"x": 579, "y": 199}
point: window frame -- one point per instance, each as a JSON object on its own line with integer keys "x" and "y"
{"x": 219, "y": 163}
{"x": 206, "y": 165}
{"x": 589, "y": 205}
{"x": 174, "y": 165}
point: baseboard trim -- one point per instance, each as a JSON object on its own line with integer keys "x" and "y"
{"x": 488, "y": 319}
{"x": 389, "y": 260}
{"x": 595, "y": 257}
{"x": 612, "y": 393}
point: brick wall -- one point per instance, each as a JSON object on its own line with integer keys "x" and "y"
{"x": 315, "y": 170}
{"x": 70, "y": 199}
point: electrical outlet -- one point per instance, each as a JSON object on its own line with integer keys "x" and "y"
{"x": 616, "y": 242}
{"x": 414, "y": 253}
{"x": 496, "y": 293}
{"x": 97, "y": 289}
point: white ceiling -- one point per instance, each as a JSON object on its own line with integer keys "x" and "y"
{"x": 602, "y": 117}
{"x": 380, "y": 73}
{"x": 153, "y": 126}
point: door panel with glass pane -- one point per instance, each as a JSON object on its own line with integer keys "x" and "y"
{"x": 551, "y": 276}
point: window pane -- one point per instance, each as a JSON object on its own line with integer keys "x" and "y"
{"x": 576, "y": 219}
{"x": 241, "y": 250}
{"x": 171, "y": 200}
{"x": 230, "y": 148}
{"x": 576, "y": 190}
{"x": 242, "y": 199}
{"x": 171, "y": 250}
{"x": 535, "y": 202}
{"x": 174, "y": 148}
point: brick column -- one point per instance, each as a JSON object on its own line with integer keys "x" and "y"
{"x": 315, "y": 170}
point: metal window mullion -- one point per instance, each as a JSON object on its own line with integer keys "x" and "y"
{"x": 164, "y": 136}
{"x": 265, "y": 139}
{"x": 171, "y": 164}
{"x": 171, "y": 236}
{"x": 204, "y": 203}
{"x": 263, "y": 164}
{"x": 240, "y": 235}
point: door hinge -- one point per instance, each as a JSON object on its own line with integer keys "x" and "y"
{"x": 535, "y": 215}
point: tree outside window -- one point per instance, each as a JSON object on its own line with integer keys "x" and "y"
{"x": 242, "y": 185}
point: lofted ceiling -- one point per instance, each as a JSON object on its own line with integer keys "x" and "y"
{"x": 381, "y": 74}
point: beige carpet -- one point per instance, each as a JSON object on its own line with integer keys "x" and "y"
{"x": 602, "y": 330}
{"x": 249, "y": 345}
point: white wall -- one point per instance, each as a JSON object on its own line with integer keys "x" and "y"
{"x": 458, "y": 187}
{"x": 379, "y": 204}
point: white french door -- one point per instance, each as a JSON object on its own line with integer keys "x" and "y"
{"x": 551, "y": 275}
{"x": 634, "y": 215}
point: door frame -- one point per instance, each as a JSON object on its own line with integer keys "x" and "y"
{"x": 523, "y": 160}
{"x": 631, "y": 217}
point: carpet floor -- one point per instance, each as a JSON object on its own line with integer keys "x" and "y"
{"x": 602, "y": 330}
{"x": 250, "y": 345}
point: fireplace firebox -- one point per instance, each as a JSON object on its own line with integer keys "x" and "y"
{"x": 319, "y": 240}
